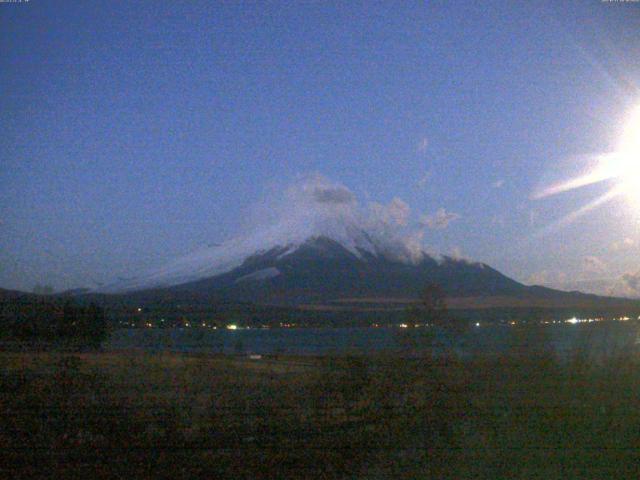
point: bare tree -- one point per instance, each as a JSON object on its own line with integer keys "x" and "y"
{"x": 434, "y": 302}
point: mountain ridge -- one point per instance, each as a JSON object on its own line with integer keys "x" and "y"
{"x": 322, "y": 271}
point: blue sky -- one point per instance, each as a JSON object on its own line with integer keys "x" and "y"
{"x": 133, "y": 133}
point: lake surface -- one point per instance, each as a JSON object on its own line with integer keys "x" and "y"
{"x": 601, "y": 339}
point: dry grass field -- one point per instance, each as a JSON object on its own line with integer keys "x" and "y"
{"x": 135, "y": 415}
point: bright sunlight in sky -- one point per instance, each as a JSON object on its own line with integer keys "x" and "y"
{"x": 622, "y": 165}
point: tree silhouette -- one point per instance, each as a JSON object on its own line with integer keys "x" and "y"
{"x": 434, "y": 303}
{"x": 43, "y": 289}
{"x": 436, "y": 313}
{"x": 42, "y": 320}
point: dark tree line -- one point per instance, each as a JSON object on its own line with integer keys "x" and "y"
{"x": 47, "y": 321}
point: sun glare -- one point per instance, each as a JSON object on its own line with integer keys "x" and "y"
{"x": 621, "y": 166}
{"x": 630, "y": 141}
{"x": 628, "y": 158}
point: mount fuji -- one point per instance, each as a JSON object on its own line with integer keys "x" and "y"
{"x": 324, "y": 270}
{"x": 316, "y": 245}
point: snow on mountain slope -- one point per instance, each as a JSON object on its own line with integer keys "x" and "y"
{"x": 258, "y": 275}
{"x": 313, "y": 208}
{"x": 215, "y": 260}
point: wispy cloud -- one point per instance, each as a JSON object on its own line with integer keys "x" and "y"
{"x": 396, "y": 213}
{"x": 333, "y": 194}
{"x": 632, "y": 283}
{"x": 593, "y": 264}
{"x": 439, "y": 220}
{"x": 623, "y": 244}
{"x": 424, "y": 179}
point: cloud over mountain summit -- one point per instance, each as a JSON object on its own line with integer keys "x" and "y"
{"x": 312, "y": 206}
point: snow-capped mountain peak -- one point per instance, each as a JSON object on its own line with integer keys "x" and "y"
{"x": 315, "y": 208}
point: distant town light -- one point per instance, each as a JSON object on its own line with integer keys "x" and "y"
{"x": 232, "y": 327}
{"x": 477, "y": 324}
{"x": 403, "y": 325}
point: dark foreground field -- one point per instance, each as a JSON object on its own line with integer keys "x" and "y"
{"x": 128, "y": 415}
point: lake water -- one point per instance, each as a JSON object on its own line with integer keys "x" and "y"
{"x": 597, "y": 340}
